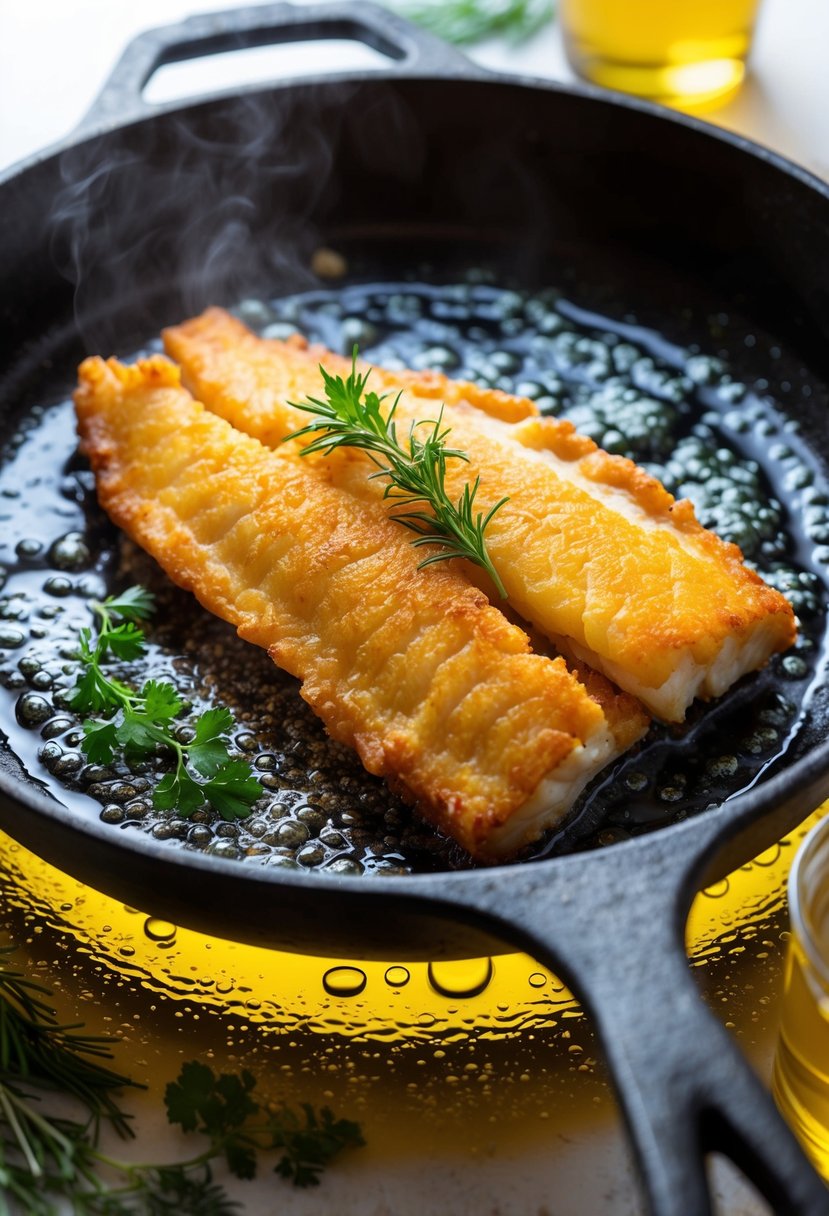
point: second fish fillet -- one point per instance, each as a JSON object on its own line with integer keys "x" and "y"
{"x": 591, "y": 549}
{"x": 431, "y": 685}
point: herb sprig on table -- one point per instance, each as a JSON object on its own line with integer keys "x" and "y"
{"x": 47, "y": 1157}
{"x": 466, "y": 22}
{"x": 414, "y": 470}
{"x": 135, "y": 723}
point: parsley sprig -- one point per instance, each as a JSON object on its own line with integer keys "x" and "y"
{"x": 224, "y": 1109}
{"x": 136, "y": 723}
{"x": 49, "y": 1159}
{"x": 414, "y": 471}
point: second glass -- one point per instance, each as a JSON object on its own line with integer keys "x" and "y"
{"x": 801, "y": 1067}
{"x": 684, "y": 52}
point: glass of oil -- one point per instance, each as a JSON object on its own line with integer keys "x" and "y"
{"x": 686, "y": 53}
{"x": 801, "y": 1066}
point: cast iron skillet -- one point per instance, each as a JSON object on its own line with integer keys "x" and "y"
{"x": 163, "y": 210}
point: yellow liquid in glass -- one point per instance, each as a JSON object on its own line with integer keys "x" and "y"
{"x": 801, "y": 1067}
{"x": 681, "y": 52}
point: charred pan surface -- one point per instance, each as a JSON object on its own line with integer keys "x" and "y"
{"x": 591, "y": 549}
{"x": 435, "y": 689}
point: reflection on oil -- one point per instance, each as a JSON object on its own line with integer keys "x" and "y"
{"x": 487, "y": 1040}
{"x": 293, "y": 991}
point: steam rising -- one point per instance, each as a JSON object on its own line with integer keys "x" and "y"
{"x": 157, "y": 221}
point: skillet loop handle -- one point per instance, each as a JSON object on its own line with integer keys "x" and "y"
{"x": 612, "y": 927}
{"x": 410, "y": 48}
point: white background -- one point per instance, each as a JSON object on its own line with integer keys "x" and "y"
{"x": 55, "y": 54}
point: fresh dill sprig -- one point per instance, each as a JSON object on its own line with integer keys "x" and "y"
{"x": 136, "y": 723}
{"x": 466, "y": 22}
{"x": 47, "y": 1160}
{"x": 40, "y": 1057}
{"x": 38, "y": 1050}
{"x": 415, "y": 472}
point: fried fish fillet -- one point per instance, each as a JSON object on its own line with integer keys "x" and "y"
{"x": 431, "y": 685}
{"x": 592, "y": 550}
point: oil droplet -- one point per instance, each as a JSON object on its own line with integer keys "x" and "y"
{"x": 344, "y": 981}
{"x": 468, "y": 977}
{"x": 159, "y": 930}
{"x": 537, "y": 980}
{"x": 127, "y": 951}
{"x": 770, "y": 856}
{"x": 396, "y": 977}
{"x": 718, "y": 890}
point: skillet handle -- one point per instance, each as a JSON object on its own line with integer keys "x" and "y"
{"x": 615, "y": 935}
{"x": 410, "y": 48}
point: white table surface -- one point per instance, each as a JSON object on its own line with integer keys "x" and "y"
{"x": 54, "y": 56}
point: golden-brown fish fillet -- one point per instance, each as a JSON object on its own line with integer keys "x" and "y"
{"x": 435, "y": 689}
{"x": 591, "y": 549}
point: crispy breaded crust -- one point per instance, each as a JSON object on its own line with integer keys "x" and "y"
{"x": 591, "y": 549}
{"x": 436, "y": 690}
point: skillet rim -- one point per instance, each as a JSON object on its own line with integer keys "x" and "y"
{"x": 90, "y": 127}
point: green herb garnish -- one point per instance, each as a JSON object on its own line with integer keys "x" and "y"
{"x": 223, "y": 1108}
{"x": 136, "y": 723}
{"x": 415, "y": 473}
{"x": 466, "y": 22}
{"x": 48, "y": 1160}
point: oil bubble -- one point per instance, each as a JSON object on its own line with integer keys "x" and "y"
{"x": 69, "y": 552}
{"x": 397, "y": 977}
{"x": 33, "y": 710}
{"x": 159, "y": 930}
{"x": 57, "y": 585}
{"x": 344, "y": 981}
{"x": 467, "y": 977}
{"x": 28, "y": 548}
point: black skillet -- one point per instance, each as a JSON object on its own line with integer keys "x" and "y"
{"x": 166, "y": 209}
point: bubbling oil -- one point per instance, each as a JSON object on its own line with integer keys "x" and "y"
{"x": 677, "y": 410}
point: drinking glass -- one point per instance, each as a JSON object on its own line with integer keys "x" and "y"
{"x": 801, "y": 1066}
{"x": 681, "y": 52}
